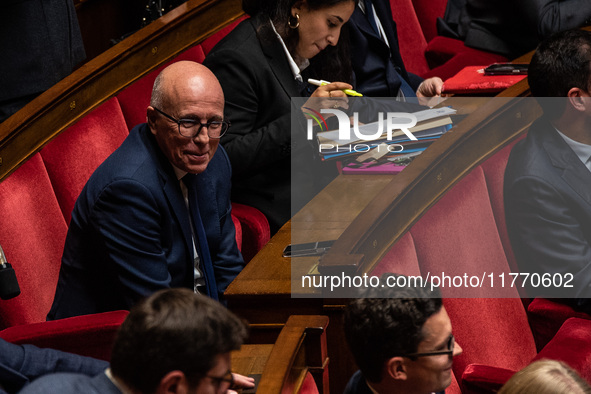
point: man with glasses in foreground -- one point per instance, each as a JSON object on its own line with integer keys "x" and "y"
{"x": 401, "y": 344}
{"x": 156, "y": 213}
{"x": 175, "y": 341}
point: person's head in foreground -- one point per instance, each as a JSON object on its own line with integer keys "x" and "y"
{"x": 403, "y": 343}
{"x": 546, "y": 377}
{"x": 176, "y": 341}
{"x": 561, "y": 67}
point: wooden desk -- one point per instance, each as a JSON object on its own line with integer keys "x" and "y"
{"x": 262, "y": 291}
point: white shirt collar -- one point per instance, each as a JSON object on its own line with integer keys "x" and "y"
{"x": 295, "y": 68}
{"x": 583, "y": 151}
{"x": 178, "y": 172}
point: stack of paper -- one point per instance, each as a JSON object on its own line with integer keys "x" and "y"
{"x": 431, "y": 124}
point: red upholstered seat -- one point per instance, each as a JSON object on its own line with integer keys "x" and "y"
{"x": 73, "y": 155}
{"x": 32, "y": 235}
{"x": 89, "y": 335}
{"x": 255, "y": 231}
{"x": 465, "y": 232}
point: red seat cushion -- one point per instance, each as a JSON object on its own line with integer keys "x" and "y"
{"x": 255, "y": 229}
{"x": 88, "y": 335}
{"x": 74, "y": 154}
{"x": 32, "y": 236}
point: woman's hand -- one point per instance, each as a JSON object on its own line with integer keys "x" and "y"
{"x": 430, "y": 87}
{"x": 328, "y": 96}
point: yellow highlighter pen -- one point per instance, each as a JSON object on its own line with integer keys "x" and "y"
{"x": 348, "y": 92}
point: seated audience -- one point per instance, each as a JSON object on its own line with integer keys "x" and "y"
{"x": 262, "y": 63}
{"x": 175, "y": 341}
{"x": 546, "y": 377}
{"x": 21, "y": 364}
{"x": 547, "y": 185}
{"x": 402, "y": 343}
{"x": 136, "y": 227}
{"x": 376, "y": 60}
{"x": 513, "y": 28}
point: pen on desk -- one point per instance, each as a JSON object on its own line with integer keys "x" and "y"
{"x": 348, "y": 92}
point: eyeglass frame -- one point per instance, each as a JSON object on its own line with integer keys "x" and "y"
{"x": 228, "y": 377}
{"x": 449, "y": 352}
{"x": 195, "y": 123}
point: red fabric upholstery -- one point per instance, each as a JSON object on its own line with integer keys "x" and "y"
{"x": 400, "y": 259}
{"x": 410, "y": 36}
{"x": 572, "y": 344}
{"x": 494, "y": 173}
{"x": 238, "y": 227}
{"x": 32, "y": 235}
{"x": 309, "y": 385}
{"x": 210, "y": 41}
{"x": 74, "y": 154}
{"x": 135, "y": 99}
{"x": 255, "y": 229}
{"x": 491, "y": 331}
{"x": 458, "y": 235}
{"x": 427, "y": 12}
{"x": 90, "y": 335}
{"x": 547, "y": 316}
{"x": 478, "y": 379}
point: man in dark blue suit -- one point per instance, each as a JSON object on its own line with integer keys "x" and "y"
{"x": 401, "y": 338}
{"x": 136, "y": 227}
{"x": 547, "y": 186}
{"x": 376, "y": 60}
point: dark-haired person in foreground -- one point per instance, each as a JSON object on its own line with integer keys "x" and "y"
{"x": 402, "y": 343}
{"x": 175, "y": 341}
{"x": 548, "y": 177}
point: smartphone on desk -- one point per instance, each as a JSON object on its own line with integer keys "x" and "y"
{"x": 506, "y": 69}
{"x": 307, "y": 249}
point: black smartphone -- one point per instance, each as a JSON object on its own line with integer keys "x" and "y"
{"x": 506, "y": 69}
{"x": 307, "y": 249}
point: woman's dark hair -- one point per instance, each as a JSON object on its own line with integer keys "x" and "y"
{"x": 334, "y": 62}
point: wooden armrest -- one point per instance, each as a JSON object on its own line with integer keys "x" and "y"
{"x": 299, "y": 349}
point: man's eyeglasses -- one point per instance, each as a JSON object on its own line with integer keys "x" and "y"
{"x": 450, "y": 350}
{"x": 191, "y": 128}
{"x": 227, "y": 377}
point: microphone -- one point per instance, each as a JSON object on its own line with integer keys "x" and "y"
{"x": 9, "y": 287}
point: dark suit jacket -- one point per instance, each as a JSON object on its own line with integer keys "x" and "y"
{"x": 20, "y": 364}
{"x": 41, "y": 44}
{"x": 130, "y": 232}
{"x": 358, "y": 385}
{"x": 378, "y": 68}
{"x": 512, "y": 28}
{"x": 548, "y": 210}
{"x": 258, "y": 85}
{"x": 72, "y": 383}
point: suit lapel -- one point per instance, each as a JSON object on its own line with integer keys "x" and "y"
{"x": 575, "y": 173}
{"x": 276, "y": 57}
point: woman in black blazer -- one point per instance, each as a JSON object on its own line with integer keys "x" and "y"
{"x": 264, "y": 62}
